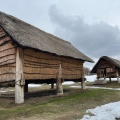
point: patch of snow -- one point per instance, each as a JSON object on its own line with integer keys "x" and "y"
{"x": 91, "y": 78}
{"x": 68, "y": 83}
{"x": 11, "y": 90}
{"x": 34, "y": 85}
{"x": 3, "y": 91}
{"x": 94, "y": 87}
{"x": 105, "y": 112}
{"x": 107, "y": 79}
{"x": 75, "y": 86}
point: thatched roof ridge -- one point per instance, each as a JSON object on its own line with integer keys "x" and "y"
{"x": 110, "y": 59}
{"x": 27, "y": 35}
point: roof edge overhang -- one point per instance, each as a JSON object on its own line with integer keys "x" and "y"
{"x": 105, "y": 58}
{"x": 15, "y": 41}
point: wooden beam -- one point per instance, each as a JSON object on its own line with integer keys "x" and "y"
{"x": 26, "y": 87}
{"x": 110, "y": 79}
{"x": 59, "y": 81}
{"x": 83, "y": 84}
{"x": 83, "y": 80}
{"x": 19, "y": 82}
{"x": 118, "y": 76}
{"x": 104, "y": 77}
{"x": 52, "y": 85}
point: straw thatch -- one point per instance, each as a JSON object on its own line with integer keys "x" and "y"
{"x": 107, "y": 67}
{"x": 40, "y": 54}
{"x": 27, "y": 35}
{"x": 113, "y": 61}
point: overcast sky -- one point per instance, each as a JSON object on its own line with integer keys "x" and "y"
{"x": 92, "y": 26}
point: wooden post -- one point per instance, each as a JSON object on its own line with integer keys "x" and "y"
{"x": 52, "y": 85}
{"x": 26, "y": 87}
{"x": 110, "y": 79}
{"x": 19, "y": 82}
{"x": 104, "y": 74}
{"x": 83, "y": 83}
{"x": 118, "y": 76}
{"x": 59, "y": 81}
{"x": 104, "y": 77}
{"x": 83, "y": 80}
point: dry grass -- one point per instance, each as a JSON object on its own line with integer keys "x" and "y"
{"x": 45, "y": 105}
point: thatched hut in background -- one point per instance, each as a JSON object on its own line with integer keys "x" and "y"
{"x": 30, "y": 55}
{"x": 107, "y": 67}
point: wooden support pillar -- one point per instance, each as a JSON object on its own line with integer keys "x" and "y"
{"x": 52, "y": 85}
{"x": 104, "y": 77}
{"x": 59, "y": 81}
{"x": 118, "y": 77}
{"x": 110, "y": 79}
{"x": 83, "y": 84}
{"x": 19, "y": 82}
{"x": 83, "y": 80}
{"x": 26, "y": 87}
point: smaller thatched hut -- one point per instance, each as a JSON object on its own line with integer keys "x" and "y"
{"x": 30, "y": 55}
{"x": 107, "y": 67}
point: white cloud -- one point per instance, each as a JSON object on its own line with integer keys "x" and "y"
{"x": 95, "y": 40}
{"x": 78, "y": 21}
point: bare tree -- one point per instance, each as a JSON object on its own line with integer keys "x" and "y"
{"x": 87, "y": 71}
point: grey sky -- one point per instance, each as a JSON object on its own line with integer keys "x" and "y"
{"x": 93, "y": 26}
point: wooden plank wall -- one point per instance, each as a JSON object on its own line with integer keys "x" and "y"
{"x": 39, "y": 65}
{"x": 105, "y": 64}
{"x": 71, "y": 68}
{"x": 111, "y": 70}
{"x": 7, "y": 57}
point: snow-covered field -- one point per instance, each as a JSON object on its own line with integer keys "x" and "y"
{"x": 90, "y": 78}
{"x": 105, "y": 112}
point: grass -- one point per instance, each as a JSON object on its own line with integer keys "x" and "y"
{"x": 71, "y": 106}
{"x": 112, "y": 84}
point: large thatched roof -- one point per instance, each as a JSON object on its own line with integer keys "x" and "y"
{"x": 27, "y": 35}
{"x": 109, "y": 59}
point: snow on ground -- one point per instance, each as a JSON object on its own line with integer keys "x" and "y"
{"x": 34, "y": 85}
{"x": 91, "y": 78}
{"x": 105, "y": 112}
{"x": 94, "y": 87}
{"x": 1, "y": 91}
{"x": 68, "y": 83}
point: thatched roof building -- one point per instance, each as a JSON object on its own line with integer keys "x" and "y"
{"x": 29, "y": 36}
{"x": 107, "y": 67}
{"x": 30, "y": 55}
